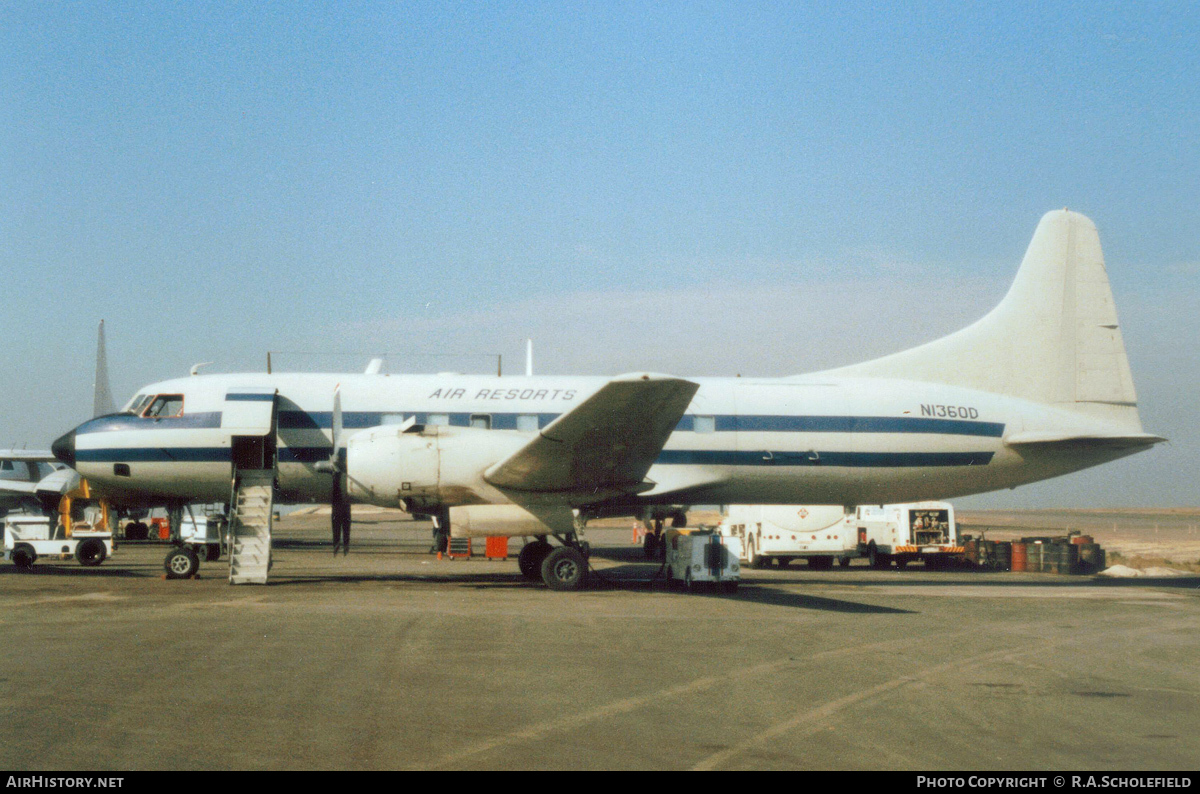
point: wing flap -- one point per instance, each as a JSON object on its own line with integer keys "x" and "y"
{"x": 605, "y": 444}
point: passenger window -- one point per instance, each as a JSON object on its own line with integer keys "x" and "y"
{"x": 482, "y": 421}
{"x": 705, "y": 424}
{"x": 527, "y": 422}
{"x": 165, "y": 405}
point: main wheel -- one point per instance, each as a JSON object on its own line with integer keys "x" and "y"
{"x": 23, "y": 556}
{"x": 90, "y": 551}
{"x": 531, "y": 558}
{"x": 181, "y": 563}
{"x": 844, "y": 562}
{"x": 564, "y": 569}
{"x": 212, "y": 552}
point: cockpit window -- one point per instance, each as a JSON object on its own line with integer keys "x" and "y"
{"x": 165, "y": 405}
{"x": 138, "y": 403}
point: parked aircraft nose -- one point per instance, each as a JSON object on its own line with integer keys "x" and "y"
{"x": 64, "y": 449}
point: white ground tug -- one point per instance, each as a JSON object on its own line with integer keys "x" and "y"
{"x": 702, "y": 558}
{"x": 26, "y": 538}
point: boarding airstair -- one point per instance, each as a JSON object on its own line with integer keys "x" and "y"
{"x": 250, "y": 526}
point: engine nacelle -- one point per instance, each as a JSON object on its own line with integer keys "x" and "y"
{"x": 426, "y": 467}
{"x": 512, "y": 521}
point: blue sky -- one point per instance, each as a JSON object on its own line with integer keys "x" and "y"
{"x": 703, "y": 189}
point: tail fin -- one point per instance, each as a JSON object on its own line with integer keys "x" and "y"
{"x": 102, "y": 401}
{"x": 1053, "y": 339}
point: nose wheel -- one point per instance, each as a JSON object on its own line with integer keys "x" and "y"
{"x": 181, "y": 563}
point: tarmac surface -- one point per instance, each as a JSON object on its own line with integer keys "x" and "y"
{"x": 391, "y": 659}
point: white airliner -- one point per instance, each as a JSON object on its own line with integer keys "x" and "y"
{"x": 1039, "y": 387}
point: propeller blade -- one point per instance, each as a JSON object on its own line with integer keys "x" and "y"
{"x": 339, "y": 505}
{"x": 337, "y": 424}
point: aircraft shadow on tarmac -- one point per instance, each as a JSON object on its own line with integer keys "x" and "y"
{"x": 72, "y": 570}
{"x": 1055, "y": 581}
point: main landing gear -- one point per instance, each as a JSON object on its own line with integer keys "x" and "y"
{"x": 562, "y": 567}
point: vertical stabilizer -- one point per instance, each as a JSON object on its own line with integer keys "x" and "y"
{"x": 1053, "y": 339}
{"x": 102, "y": 401}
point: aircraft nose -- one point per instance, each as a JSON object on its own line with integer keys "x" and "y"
{"x": 64, "y": 448}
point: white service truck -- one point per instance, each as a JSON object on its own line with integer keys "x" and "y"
{"x": 902, "y": 533}
{"x": 701, "y": 558}
{"x": 27, "y": 537}
{"x": 820, "y": 534}
{"x": 205, "y": 534}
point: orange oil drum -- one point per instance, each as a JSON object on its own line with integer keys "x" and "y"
{"x": 1020, "y": 557}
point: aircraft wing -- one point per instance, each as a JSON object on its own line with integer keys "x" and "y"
{"x": 605, "y": 445}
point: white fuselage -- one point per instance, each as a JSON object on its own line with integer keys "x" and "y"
{"x": 802, "y": 440}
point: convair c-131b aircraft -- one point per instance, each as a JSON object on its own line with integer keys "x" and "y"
{"x": 1039, "y": 387}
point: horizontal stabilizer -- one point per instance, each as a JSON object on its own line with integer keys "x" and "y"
{"x": 28, "y": 455}
{"x": 55, "y": 483}
{"x": 1048, "y": 438}
{"x": 607, "y": 443}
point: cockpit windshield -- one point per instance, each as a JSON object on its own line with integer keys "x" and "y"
{"x": 137, "y": 403}
{"x": 164, "y": 405}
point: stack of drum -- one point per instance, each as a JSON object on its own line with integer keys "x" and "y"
{"x": 1064, "y": 555}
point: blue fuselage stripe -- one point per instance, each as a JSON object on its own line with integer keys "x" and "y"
{"x": 323, "y": 420}
{"x": 666, "y": 457}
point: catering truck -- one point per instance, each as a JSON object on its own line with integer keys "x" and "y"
{"x": 902, "y": 533}
{"x": 820, "y": 534}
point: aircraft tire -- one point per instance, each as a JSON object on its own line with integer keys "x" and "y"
{"x": 181, "y": 563}
{"x": 23, "y": 556}
{"x": 212, "y": 552}
{"x": 844, "y": 562}
{"x": 564, "y": 569}
{"x": 90, "y": 552}
{"x": 531, "y": 557}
